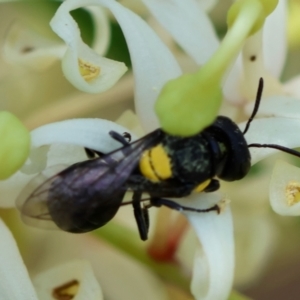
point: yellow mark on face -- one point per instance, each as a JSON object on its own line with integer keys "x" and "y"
{"x": 200, "y": 187}
{"x": 87, "y": 70}
{"x": 155, "y": 164}
{"x": 292, "y": 193}
{"x": 66, "y": 291}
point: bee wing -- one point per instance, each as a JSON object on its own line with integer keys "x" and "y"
{"x": 86, "y": 195}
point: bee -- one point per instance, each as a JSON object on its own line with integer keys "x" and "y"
{"x": 88, "y": 194}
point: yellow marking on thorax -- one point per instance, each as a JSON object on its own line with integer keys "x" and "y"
{"x": 200, "y": 187}
{"x": 155, "y": 164}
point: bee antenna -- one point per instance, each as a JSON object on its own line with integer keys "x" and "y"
{"x": 278, "y": 147}
{"x": 257, "y": 103}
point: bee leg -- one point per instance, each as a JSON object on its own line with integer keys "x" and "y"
{"x": 173, "y": 205}
{"x": 213, "y": 186}
{"x": 141, "y": 216}
{"x": 123, "y": 139}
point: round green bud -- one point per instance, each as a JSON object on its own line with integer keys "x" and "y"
{"x": 188, "y": 104}
{"x": 14, "y": 146}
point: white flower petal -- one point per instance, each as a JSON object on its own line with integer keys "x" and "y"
{"x": 15, "y": 283}
{"x": 47, "y": 156}
{"x": 285, "y": 189}
{"x": 136, "y": 6}
{"x": 273, "y": 51}
{"x": 98, "y": 73}
{"x": 280, "y": 131}
{"x": 189, "y": 25}
{"x": 207, "y": 5}
{"x": 111, "y": 268}
{"x": 39, "y": 159}
{"x": 275, "y": 39}
{"x": 256, "y": 238}
{"x": 24, "y": 46}
{"x": 255, "y": 68}
{"x": 147, "y": 285}
{"x": 214, "y": 265}
{"x": 232, "y": 84}
{"x": 277, "y": 106}
{"x": 89, "y": 133}
{"x": 78, "y": 274}
{"x": 145, "y": 48}
{"x": 69, "y": 137}
{"x": 101, "y": 27}
{"x": 148, "y": 53}
{"x": 293, "y": 86}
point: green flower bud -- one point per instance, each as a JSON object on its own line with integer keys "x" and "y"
{"x": 15, "y": 144}
{"x": 188, "y": 104}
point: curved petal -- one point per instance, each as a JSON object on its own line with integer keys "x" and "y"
{"x": 182, "y": 17}
{"x": 101, "y": 28}
{"x": 15, "y": 283}
{"x": 255, "y": 68}
{"x": 238, "y": 90}
{"x": 277, "y": 106}
{"x": 214, "y": 264}
{"x": 136, "y": 6}
{"x": 207, "y": 5}
{"x": 133, "y": 280}
{"x": 232, "y": 84}
{"x": 275, "y": 39}
{"x": 89, "y": 133}
{"x": 73, "y": 280}
{"x": 147, "y": 53}
{"x": 293, "y": 87}
{"x": 69, "y": 137}
{"x": 285, "y": 189}
{"x": 280, "y": 131}
{"x": 82, "y": 66}
{"x": 256, "y": 238}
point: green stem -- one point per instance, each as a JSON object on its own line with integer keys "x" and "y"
{"x": 233, "y": 41}
{"x": 127, "y": 241}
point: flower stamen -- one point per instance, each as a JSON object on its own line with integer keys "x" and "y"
{"x": 292, "y": 192}
{"x": 88, "y": 71}
{"x": 67, "y": 291}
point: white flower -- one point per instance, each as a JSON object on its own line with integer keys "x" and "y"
{"x": 162, "y": 66}
{"x": 153, "y": 66}
{"x": 16, "y": 283}
{"x": 31, "y": 81}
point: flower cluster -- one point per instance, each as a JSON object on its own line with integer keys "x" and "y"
{"x": 223, "y": 77}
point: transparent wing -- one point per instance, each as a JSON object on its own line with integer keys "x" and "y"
{"x": 86, "y": 195}
{"x": 43, "y": 179}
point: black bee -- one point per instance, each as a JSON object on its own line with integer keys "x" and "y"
{"x": 87, "y": 195}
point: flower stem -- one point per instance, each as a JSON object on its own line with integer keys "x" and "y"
{"x": 233, "y": 41}
{"x": 189, "y": 103}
